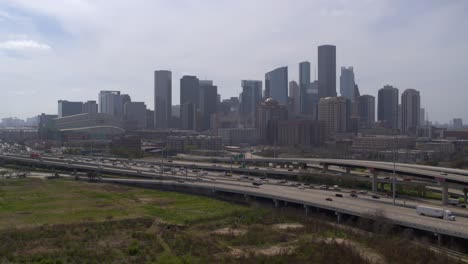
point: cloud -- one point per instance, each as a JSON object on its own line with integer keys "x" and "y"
{"x": 20, "y": 45}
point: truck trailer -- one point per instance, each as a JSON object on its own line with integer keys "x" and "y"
{"x": 435, "y": 212}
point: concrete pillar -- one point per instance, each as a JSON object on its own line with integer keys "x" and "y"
{"x": 246, "y": 197}
{"x": 444, "y": 193}
{"x": 325, "y": 167}
{"x": 348, "y": 171}
{"x": 306, "y": 208}
{"x": 439, "y": 239}
{"x": 276, "y": 203}
{"x": 374, "y": 181}
{"x": 338, "y": 217}
{"x": 285, "y": 203}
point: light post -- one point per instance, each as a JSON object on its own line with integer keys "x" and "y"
{"x": 394, "y": 176}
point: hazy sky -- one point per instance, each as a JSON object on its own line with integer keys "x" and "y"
{"x": 71, "y": 49}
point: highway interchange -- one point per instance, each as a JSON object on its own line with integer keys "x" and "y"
{"x": 217, "y": 178}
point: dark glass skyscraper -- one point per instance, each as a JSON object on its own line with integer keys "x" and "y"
{"x": 327, "y": 71}
{"x": 162, "y": 98}
{"x": 304, "y": 82}
{"x": 189, "y": 101}
{"x": 276, "y": 85}
{"x": 250, "y": 97}
{"x": 388, "y": 107}
{"x": 208, "y": 95}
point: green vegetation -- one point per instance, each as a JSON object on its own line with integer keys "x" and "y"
{"x": 58, "y": 221}
{"x": 34, "y": 202}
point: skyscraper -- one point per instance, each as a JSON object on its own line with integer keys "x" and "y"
{"x": 311, "y": 99}
{"x": 189, "y": 101}
{"x": 208, "y": 95}
{"x": 333, "y": 111}
{"x": 327, "y": 71}
{"x": 250, "y": 97}
{"x": 295, "y": 95}
{"x": 347, "y": 84}
{"x": 109, "y": 102}
{"x": 135, "y": 115}
{"x": 66, "y": 108}
{"x": 304, "y": 82}
{"x": 90, "y": 107}
{"x": 276, "y": 85}
{"x": 162, "y": 99}
{"x": 388, "y": 107}
{"x": 366, "y": 111}
{"x": 410, "y": 106}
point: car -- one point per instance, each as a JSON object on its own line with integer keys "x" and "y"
{"x": 290, "y": 169}
{"x": 323, "y": 187}
{"x": 463, "y": 206}
{"x": 262, "y": 178}
{"x": 180, "y": 181}
{"x": 362, "y": 192}
{"x": 169, "y": 161}
{"x": 257, "y": 183}
{"x": 353, "y": 195}
{"x": 387, "y": 178}
{"x": 443, "y": 173}
{"x": 329, "y": 199}
{"x": 256, "y": 168}
{"x": 375, "y": 196}
{"x": 338, "y": 195}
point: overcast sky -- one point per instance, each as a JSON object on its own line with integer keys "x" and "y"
{"x": 72, "y": 49}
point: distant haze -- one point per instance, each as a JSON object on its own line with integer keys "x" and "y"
{"x": 71, "y": 49}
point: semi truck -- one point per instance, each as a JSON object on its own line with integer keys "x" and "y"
{"x": 435, "y": 212}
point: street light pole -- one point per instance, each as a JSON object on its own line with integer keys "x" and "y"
{"x": 394, "y": 176}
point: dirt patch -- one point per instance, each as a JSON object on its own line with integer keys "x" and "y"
{"x": 365, "y": 253}
{"x": 155, "y": 201}
{"x": 286, "y": 226}
{"x": 229, "y": 232}
{"x": 269, "y": 251}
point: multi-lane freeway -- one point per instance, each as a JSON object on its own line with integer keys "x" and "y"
{"x": 340, "y": 201}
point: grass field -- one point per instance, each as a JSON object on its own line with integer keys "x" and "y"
{"x": 60, "y": 221}
{"x": 35, "y": 202}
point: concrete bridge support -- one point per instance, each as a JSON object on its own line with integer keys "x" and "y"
{"x": 374, "y": 181}
{"x": 306, "y": 208}
{"x": 444, "y": 193}
{"x": 338, "y": 217}
{"x": 276, "y": 203}
{"x": 465, "y": 194}
{"x": 348, "y": 172}
{"x": 325, "y": 168}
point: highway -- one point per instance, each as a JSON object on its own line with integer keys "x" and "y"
{"x": 310, "y": 196}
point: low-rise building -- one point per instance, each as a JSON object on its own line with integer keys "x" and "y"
{"x": 375, "y": 143}
{"x": 188, "y": 143}
{"x": 239, "y": 136}
{"x": 301, "y": 133}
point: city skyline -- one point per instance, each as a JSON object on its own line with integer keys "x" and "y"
{"x": 46, "y": 50}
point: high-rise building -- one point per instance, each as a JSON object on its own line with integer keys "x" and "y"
{"x": 66, "y": 108}
{"x": 310, "y": 100}
{"x": 295, "y": 95}
{"x": 162, "y": 99}
{"x": 250, "y": 97}
{"x": 112, "y": 102}
{"x": 90, "y": 107}
{"x": 268, "y": 113}
{"x": 333, "y": 111}
{"x": 304, "y": 82}
{"x": 208, "y": 96}
{"x": 457, "y": 123}
{"x": 327, "y": 71}
{"x": 135, "y": 115}
{"x": 422, "y": 117}
{"x": 276, "y": 85}
{"x": 410, "y": 106}
{"x": 189, "y": 101}
{"x": 149, "y": 119}
{"x": 366, "y": 111}
{"x": 347, "y": 84}
{"x": 388, "y": 107}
